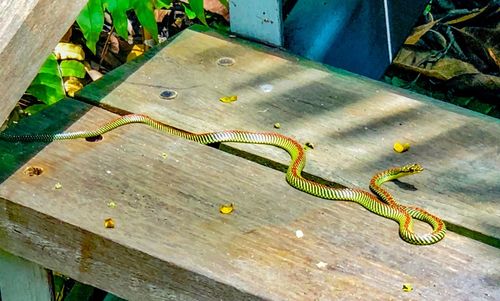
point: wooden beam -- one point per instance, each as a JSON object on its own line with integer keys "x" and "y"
{"x": 21, "y": 279}
{"x": 171, "y": 243}
{"x": 29, "y": 30}
{"x": 353, "y": 122}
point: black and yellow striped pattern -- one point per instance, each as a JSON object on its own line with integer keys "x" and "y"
{"x": 383, "y": 205}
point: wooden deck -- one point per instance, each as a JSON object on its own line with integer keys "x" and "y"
{"x": 170, "y": 241}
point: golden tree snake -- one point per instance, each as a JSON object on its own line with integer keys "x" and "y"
{"x": 383, "y": 205}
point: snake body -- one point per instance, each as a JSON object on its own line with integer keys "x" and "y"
{"x": 383, "y": 205}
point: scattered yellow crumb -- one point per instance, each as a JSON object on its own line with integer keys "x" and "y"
{"x": 227, "y": 99}
{"x": 407, "y": 287}
{"x": 111, "y": 204}
{"x": 109, "y": 223}
{"x": 401, "y": 147}
{"x": 164, "y": 155}
{"x": 226, "y": 208}
{"x": 277, "y": 125}
{"x": 58, "y": 186}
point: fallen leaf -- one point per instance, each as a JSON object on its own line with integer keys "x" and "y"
{"x": 137, "y": 50}
{"x": 69, "y": 51}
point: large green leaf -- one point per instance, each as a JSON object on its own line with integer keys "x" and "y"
{"x": 72, "y": 68}
{"x": 91, "y": 22}
{"x": 118, "y": 10}
{"x": 47, "y": 85}
{"x": 197, "y": 7}
{"x": 144, "y": 10}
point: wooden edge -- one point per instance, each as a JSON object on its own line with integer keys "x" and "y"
{"x": 156, "y": 279}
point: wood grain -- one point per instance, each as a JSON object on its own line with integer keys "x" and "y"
{"x": 171, "y": 243}
{"x": 352, "y": 121}
{"x": 29, "y": 30}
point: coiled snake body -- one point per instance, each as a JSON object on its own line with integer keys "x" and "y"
{"x": 384, "y": 206}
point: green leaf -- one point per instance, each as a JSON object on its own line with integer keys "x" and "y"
{"x": 197, "y": 7}
{"x": 72, "y": 68}
{"x": 163, "y": 3}
{"x": 48, "y": 95}
{"x": 91, "y": 22}
{"x": 145, "y": 13}
{"x": 118, "y": 10}
{"x": 189, "y": 13}
{"x": 47, "y": 85}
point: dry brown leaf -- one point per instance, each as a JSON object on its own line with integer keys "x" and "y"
{"x": 443, "y": 69}
{"x": 418, "y": 32}
{"x": 466, "y": 17}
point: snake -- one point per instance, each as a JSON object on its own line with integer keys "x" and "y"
{"x": 379, "y": 202}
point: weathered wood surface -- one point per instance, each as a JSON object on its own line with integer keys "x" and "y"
{"x": 29, "y": 30}
{"x": 23, "y": 280}
{"x": 171, "y": 243}
{"x": 353, "y": 122}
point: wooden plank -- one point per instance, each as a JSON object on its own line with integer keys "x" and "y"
{"x": 171, "y": 243}
{"x": 259, "y": 20}
{"x": 29, "y": 30}
{"x": 352, "y": 121}
{"x": 23, "y": 280}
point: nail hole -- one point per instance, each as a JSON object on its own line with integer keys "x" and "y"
{"x": 168, "y": 94}
{"x": 225, "y": 61}
{"x": 33, "y": 171}
{"x": 94, "y": 138}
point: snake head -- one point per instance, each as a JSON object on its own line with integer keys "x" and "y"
{"x": 412, "y": 168}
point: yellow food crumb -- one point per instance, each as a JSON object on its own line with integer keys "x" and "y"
{"x": 58, "y": 186}
{"x": 111, "y": 204}
{"x": 400, "y": 147}
{"x": 109, "y": 223}
{"x": 227, "y": 99}
{"x": 164, "y": 155}
{"x": 407, "y": 287}
{"x": 277, "y": 125}
{"x": 226, "y": 208}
